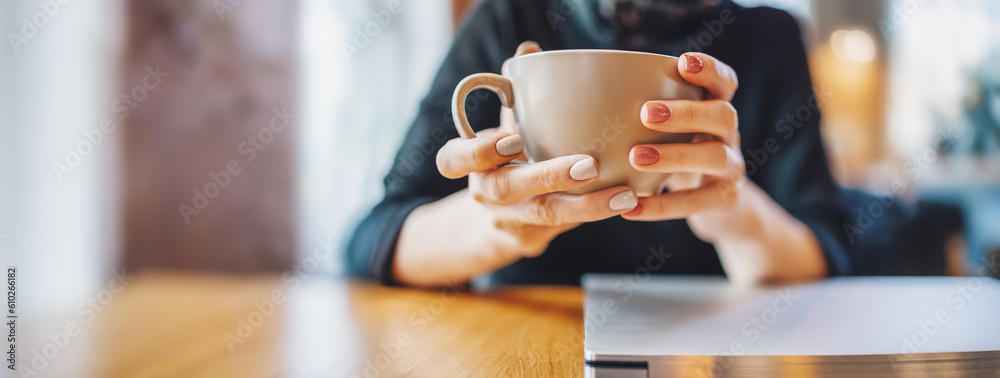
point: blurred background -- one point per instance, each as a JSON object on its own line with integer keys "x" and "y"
{"x": 244, "y": 136}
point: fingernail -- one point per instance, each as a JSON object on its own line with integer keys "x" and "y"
{"x": 656, "y": 112}
{"x": 584, "y": 169}
{"x": 510, "y": 145}
{"x": 643, "y": 155}
{"x": 623, "y": 201}
{"x": 693, "y": 64}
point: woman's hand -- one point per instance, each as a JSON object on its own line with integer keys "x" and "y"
{"x": 509, "y": 211}
{"x": 707, "y": 174}
{"x": 757, "y": 240}
{"x": 522, "y": 198}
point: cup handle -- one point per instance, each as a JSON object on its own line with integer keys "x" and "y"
{"x": 496, "y": 83}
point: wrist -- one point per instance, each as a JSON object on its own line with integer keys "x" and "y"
{"x": 739, "y": 223}
{"x": 770, "y": 245}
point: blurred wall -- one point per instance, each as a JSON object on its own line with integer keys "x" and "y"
{"x": 209, "y": 135}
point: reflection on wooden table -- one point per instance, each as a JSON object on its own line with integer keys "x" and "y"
{"x": 170, "y": 325}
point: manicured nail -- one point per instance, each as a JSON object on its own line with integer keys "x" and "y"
{"x": 693, "y": 64}
{"x": 584, "y": 169}
{"x": 623, "y": 201}
{"x": 510, "y": 145}
{"x": 643, "y": 155}
{"x": 656, "y": 112}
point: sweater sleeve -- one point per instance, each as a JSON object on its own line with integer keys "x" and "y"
{"x": 481, "y": 45}
{"x": 787, "y": 158}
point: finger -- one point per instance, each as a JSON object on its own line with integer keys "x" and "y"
{"x": 707, "y": 72}
{"x": 714, "y": 117}
{"x": 525, "y": 48}
{"x": 711, "y": 158}
{"x": 460, "y": 156}
{"x": 682, "y": 204}
{"x": 559, "y": 209}
{"x": 515, "y": 182}
{"x": 507, "y": 126}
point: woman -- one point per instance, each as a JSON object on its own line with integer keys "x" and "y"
{"x": 752, "y": 198}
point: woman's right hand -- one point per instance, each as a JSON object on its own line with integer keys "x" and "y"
{"x": 523, "y": 198}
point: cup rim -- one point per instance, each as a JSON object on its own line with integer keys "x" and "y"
{"x": 593, "y": 51}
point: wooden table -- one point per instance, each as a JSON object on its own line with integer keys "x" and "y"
{"x": 173, "y": 325}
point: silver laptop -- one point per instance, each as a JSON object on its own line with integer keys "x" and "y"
{"x": 681, "y": 326}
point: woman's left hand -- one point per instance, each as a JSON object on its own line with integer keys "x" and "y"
{"x": 708, "y": 175}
